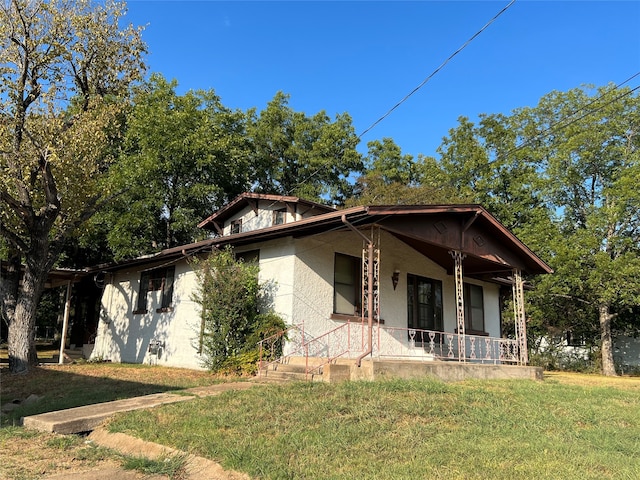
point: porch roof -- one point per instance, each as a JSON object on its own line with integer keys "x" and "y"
{"x": 432, "y": 230}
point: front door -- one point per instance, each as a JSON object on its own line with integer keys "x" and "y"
{"x": 424, "y": 304}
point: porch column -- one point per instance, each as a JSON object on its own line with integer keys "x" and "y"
{"x": 457, "y": 258}
{"x": 519, "y": 317}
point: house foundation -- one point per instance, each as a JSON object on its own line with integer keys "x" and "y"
{"x": 446, "y": 371}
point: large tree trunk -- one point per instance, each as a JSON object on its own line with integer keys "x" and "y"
{"x": 608, "y": 366}
{"x": 21, "y": 341}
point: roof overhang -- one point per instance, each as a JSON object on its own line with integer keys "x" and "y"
{"x": 432, "y": 230}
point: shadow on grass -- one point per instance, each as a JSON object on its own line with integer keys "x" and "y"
{"x": 57, "y": 387}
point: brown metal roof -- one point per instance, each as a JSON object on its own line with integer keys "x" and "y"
{"x": 432, "y": 230}
{"x": 245, "y": 199}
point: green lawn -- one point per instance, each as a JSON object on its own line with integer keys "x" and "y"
{"x": 563, "y": 428}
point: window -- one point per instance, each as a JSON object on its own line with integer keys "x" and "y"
{"x": 160, "y": 279}
{"x": 236, "y": 226}
{"x": 347, "y": 290}
{"x": 424, "y": 303}
{"x": 250, "y": 256}
{"x": 280, "y": 216}
{"x": 473, "y": 308}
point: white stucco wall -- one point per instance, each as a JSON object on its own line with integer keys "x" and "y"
{"x": 124, "y": 337}
{"x": 264, "y": 218}
{"x": 313, "y": 283}
{"x": 298, "y": 274}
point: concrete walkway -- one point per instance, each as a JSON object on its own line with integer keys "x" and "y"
{"x": 90, "y": 418}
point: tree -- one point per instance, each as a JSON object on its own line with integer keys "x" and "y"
{"x": 310, "y": 157}
{"x": 184, "y": 157}
{"x": 393, "y": 178}
{"x": 66, "y": 70}
{"x": 564, "y": 176}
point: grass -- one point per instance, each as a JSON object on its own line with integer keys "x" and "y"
{"x": 173, "y": 466}
{"x": 569, "y": 427}
{"x": 73, "y": 385}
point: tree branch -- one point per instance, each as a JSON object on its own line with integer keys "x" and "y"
{"x": 13, "y": 238}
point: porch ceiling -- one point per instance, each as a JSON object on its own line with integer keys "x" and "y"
{"x": 474, "y": 266}
{"x": 490, "y": 249}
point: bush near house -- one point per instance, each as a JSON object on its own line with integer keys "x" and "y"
{"x": 231, "y": 300}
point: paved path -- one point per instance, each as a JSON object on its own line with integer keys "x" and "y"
{"x": 90, "y": 417}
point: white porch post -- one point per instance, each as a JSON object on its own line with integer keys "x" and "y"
{"x": 458, "y": 257}
{"x": 520, "y": 318}
{"x": 65, "y": 323}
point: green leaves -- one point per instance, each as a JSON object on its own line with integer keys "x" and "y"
{"x": 230, "y": 298}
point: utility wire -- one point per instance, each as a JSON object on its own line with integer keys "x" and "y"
{"x": 442, "y": 65}
{"x": 559, "y": 125}
{"x": 424, "y": 82}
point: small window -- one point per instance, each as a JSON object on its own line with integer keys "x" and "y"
{"x": 347, "y": 290}
{"x": 250, "y": 256}
{"x": 473, "y": 308}
{"x": 236, "y": 226}
{"x": 160, "y": 279}
{"x": 280, "y": 216}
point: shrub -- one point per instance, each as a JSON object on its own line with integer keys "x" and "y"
{"x": 231, "y": 298}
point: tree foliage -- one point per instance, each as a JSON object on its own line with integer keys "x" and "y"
{"x": 184, "y": 156}
{"x": 564, "y": 175}
{"x": 294, "y": 154}
{"x": 66, "y": 67}
{"x": 234, "y": 312}
{"x": 391, "y": 178}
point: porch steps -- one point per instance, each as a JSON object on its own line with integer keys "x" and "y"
{"x": 288, "y": 372}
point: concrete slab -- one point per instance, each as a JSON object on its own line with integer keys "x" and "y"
{"x": 89, "y": 417}
{"x": 85, "y": 419}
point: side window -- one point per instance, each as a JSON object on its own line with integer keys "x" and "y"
{"x": 250, "y": 256}
{"x": 280, "y": 216}
{"x": 160, "y": 279}
{"x": 347, "y": 289}
{"x": 236, "y": 226}
{"x": 473, "y": 308}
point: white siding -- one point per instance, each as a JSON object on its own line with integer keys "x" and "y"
{"x": 298, "y": 274}
{"x": 124, "y": 337}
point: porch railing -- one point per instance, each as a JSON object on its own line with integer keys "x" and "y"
{"x": 413, "y": 343}
{"x": 349, "y": 341}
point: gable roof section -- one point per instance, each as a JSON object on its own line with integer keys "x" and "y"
{"x": 432, "y": 230}
{"x": 251, "y": 199}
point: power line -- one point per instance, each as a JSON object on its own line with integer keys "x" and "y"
{"x": 554, "y": 127}
{"x": 424, "y": 82}
{"x": 442, "y": 65}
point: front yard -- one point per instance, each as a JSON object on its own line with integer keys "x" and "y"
{"x": 569, "y": 426}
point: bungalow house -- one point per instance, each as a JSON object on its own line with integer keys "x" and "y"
{"x": 369, "y": 282}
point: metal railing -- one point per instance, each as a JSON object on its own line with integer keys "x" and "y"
{"x": 349, "y": 341}
{"x": 417, "y": 344}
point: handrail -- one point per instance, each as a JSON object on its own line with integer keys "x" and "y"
{"x": 390, "y": 342}
{"x": 272, "y": 341}
{"x": 310, "y": 348}
{"x": 329, "y": 357}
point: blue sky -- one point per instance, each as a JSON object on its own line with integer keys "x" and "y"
{"x": 362, "y": 57}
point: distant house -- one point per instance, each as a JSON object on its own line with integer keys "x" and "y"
{"x": 419, "y": 282}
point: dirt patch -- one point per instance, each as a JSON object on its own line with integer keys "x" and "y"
{"x": 29, "y": 455}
